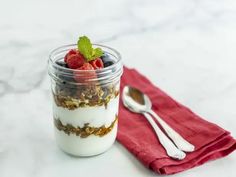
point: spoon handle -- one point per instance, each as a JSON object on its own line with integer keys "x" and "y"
{"x": 179, "y": 141}
{"x": 170, "y": 148}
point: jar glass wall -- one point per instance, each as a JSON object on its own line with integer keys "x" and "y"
{"x": 85, "y": 103}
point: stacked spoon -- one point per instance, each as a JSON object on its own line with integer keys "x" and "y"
{"x": 174, "y": 144}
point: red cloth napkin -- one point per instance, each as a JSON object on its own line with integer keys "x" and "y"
{"x": 135, "y": 133}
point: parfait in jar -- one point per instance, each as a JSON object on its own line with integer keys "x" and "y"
{"x": 85, "y": 81}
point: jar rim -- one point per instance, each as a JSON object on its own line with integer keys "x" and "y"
{"x": 53, "y": 63}
{"x": 104, "y": 75}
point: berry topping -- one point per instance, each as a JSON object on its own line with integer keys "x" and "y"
{"x": 71, "y": 52}
{"x": 85, "y": 76}
{"x": 97, "y": 63}
{"x": 62, "y": 63}
{"x": 86, "y": 66}
{"x": 75, "y": 61}
{"x": 107, "y": 61}
{"x": 84, "y": 57}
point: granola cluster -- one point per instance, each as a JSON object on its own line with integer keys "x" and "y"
{"x": 92, "y": 95}
{"x": 84, "y": 131}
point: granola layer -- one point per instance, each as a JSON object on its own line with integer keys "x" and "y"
{"x": 85, "y": 96}
{"x": 86, "y": 130}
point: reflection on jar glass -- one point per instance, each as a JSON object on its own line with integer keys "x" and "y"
{"x": 85, "y": 103}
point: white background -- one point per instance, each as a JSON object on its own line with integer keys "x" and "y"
{"x": 186, "y": 47}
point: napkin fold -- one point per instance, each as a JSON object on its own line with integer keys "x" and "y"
{"x": 135, "y": 133}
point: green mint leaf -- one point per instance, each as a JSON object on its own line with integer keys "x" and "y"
{"x": 97, "y": 53}
{"x": 85, "y": 47}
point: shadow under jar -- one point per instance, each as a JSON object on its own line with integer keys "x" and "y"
{"x": 85, "y": 103}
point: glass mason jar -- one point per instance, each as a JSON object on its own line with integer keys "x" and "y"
{"x": 85, "y": 103}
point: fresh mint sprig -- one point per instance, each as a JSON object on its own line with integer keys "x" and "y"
{"x": 86, "y": 49}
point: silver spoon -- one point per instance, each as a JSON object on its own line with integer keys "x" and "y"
{"x": 138, "y": 102}
{"x": 141, "y": 103}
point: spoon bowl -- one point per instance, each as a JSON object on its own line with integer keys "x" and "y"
{"x": 135, "y": 100}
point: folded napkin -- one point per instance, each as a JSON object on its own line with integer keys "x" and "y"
{"x": 135, "y": 133}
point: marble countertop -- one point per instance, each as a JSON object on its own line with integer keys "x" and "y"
{"x": 186, "y": 47}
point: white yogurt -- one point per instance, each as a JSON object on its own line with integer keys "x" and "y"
{"x": 96, "y": 116}
{"x": 92, "y": 145}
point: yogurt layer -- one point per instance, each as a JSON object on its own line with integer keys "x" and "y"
{"x": 89, "y": 146}
{"x": 96, "y": 116}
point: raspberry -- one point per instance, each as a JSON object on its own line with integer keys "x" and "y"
{"x": 97, "y": 63}
{"x": 86, "y": 66}
{"x": 72, "y": 51}
{"x": 82, "y": 77}
{"x": 75, "y": 61}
